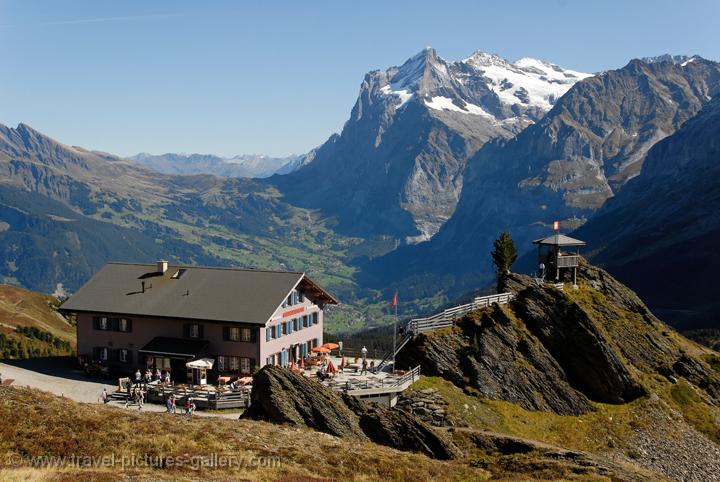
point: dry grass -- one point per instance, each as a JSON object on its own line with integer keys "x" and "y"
{"x": 36, "y": 424}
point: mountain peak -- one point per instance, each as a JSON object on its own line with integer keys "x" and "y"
{"x": 484, "y": 59}
{"x": 675, "y": 59}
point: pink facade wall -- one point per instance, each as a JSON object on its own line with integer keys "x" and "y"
{"x": 268, "y": 348}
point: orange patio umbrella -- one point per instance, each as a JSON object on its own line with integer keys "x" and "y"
{"x": 331, "y": 368}
{"x": 321, "y": 349}
{"x": 331, "y": 346}
{"x": 245, "y": 380}
{"x": 302, "y": 363}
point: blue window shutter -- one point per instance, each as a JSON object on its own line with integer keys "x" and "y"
{"x": 267, "y": 334}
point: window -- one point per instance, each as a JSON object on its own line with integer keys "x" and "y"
{"x": 246, "y": 334}
{"x": 234, "y": 333}
{"x": 268, "y": 333}
{"x": 305, "y": 321}
{"x": 124, "y": 355}
{"x": 193, "y": 330}
{"x": 269, "y": 360}
{"x": 124, "y": 325}
{"x": 221, "y": 363}
{"x": 234, "y": 363}
{"x": 162, "y": 363}
{"x": 102, "y": 323}
{"x": 301, "y": 297}
{"x": 315, "y": 318}
{"x": 278, "y": 331}
{"x": 103, "y": 352}
{"x": 178, "y": 274}
{"x": 245, "y": 365}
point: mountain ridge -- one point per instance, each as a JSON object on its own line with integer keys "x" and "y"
{"x": 449, "y": 110}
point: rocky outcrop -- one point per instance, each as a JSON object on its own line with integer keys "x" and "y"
{"x": 280, "y": 396}
{"x": 427, "y": 405}
{"x": 559, "y": 351}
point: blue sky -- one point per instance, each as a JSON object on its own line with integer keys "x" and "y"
{"x": 230, "y": 77}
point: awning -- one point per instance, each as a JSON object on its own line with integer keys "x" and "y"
{"x": 201, "y": 363}
{"x": 175, "y": 347}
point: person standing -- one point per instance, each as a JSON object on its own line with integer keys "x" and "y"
{"x": 364, "y": 353}
{"x": 104, "y": 396}
{"x": 138, "y": 376}
{"x": 364, "y": 367}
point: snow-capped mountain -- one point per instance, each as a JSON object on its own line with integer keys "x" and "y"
{"x": 245, "y": 165}
{"x": 482, "y": 84}
{"x": 397, "y": 167}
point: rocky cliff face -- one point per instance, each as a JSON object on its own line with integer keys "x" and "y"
{"x": 564, "y": 167}
{"x": 559, "y": 351}
{"x": 281, "y": 396}
{"x": 397, "y": 167}
{"x": 660, "y": 233}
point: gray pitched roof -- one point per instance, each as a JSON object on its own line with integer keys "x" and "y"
{"x": 222, "y": 294}
{"x": 560, "y": 240}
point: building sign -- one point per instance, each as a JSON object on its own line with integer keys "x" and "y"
{"x": 293, "y": 311}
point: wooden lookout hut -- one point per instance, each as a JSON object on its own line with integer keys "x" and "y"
{"x": 558, "y": 252}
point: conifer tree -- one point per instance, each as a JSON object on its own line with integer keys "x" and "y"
{"x": 504, "y": 255}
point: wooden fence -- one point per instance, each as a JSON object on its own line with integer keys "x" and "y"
{"x": 448, "y": 317}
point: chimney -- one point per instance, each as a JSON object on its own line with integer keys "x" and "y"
{"x": 162, "y": 266}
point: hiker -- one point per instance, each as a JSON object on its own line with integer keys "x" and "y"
{"x": 104, "y": 396}
{"x": 131, "y": 396}
{"x": 138, "y": 376}
{"x": 364, "y": 367}
{"x": 170, "y": 404}
{"x": 364, "y": 353}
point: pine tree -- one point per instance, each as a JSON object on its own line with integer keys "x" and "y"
{"x": 504, "y": 255}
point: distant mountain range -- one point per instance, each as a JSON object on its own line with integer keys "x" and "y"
{"x": 564, "y": 167}
{"x": 397, "y": 168}
{"x": 246, "y": 165}
{"x": 436, "y": 159}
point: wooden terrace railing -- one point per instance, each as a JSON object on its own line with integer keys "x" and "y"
{"x": 448, "y": 317}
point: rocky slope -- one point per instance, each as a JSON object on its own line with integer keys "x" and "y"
{"x": 561, "y": 351}
{"x": 660, "y": 233}
{"x": 397, "y": 167}
{"x": 564, "y": 167}
{"x": 65, "y": 211}
{"x": 281, "y": 396}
